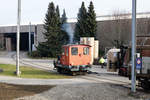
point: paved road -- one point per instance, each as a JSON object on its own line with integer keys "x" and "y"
{"x": 6, "y": 58}
{"x": 102, "y": 73}
{"x": 26, "y": 81}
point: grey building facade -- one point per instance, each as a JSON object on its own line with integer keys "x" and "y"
{"x": 8, "y": 37}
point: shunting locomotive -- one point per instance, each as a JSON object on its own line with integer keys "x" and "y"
{"x": 74, "y": 59}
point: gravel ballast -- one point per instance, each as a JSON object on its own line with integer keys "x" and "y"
{"x": 90, "y": 91}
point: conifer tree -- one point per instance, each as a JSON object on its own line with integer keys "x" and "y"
{"x": 81, "y": 25}
{"x": 64, "y": 35}
{"x": 51, "y": 47}
{"x": 58, "y": 15}
{"x": 64, "y": 17}
{"x": 91, "y": 21}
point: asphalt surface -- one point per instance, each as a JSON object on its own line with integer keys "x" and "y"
{"x": 10, "y": 58}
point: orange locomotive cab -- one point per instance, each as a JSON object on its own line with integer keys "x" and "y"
{"x": 75, "y": 58}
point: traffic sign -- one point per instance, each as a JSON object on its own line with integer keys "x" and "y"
{"x": 138, "y": 63}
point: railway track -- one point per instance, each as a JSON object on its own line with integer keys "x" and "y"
{"x": 108, "y": 81}
{"x": 31, "y": 64}
{"x": 102, "y": 79}
{"x": 92, "y": 78}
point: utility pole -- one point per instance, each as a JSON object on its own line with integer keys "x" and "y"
{"x": 30, "y": 38}
{"x": 18, "y": 37}
{"x": 133, "y": 77}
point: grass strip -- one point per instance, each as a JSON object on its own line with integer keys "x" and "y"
{"x": 29, "y": 72}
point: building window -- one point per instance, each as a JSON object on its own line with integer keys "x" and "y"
{"x": 86, "y": 50}
{"x": 74, "y": 51}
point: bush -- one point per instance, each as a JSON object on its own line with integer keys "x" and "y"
{"x": 35, "y": 54}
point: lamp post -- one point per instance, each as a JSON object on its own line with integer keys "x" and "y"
{"x": 30, "y": 38}
{"x": 18, "y": 37}
{"x": 133, "y": 74}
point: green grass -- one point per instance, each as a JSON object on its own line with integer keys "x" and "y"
{"x": 34, "y": 57}
{"x": 28, "y": 72}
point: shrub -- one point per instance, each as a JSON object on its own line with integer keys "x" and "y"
{"x": 34, "y": 54}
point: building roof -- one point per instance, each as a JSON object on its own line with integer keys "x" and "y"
{"x": 77, "y": 45}
{"x": 13, "y": 29}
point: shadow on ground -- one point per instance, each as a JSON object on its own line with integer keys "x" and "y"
{"x": 139, "y": 94}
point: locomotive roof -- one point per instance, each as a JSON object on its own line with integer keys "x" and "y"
{"x": 77, "y": 45}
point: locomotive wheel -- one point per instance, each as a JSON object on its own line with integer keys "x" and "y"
{"x": 59, "y": 70}
{"x": 73, "y": 73}
{"x": 80, "y": 73}
{"x": 84, "y": 73}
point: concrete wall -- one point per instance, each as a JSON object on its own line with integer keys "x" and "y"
{"x": 13, "y": 29}
{"x": 2, "y": 42}
{"x": 40, "y": 36}
{"x": 8, "y": 44}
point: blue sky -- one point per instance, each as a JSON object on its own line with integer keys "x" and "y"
{"x": 34, "y": 10}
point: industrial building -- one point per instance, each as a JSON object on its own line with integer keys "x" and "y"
{"x": 106, "y": 32}
{"x": 8, "y": 37}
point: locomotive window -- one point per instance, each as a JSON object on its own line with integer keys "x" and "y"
{"x": 74, "y": 51}
{"x": 86, "y": 51}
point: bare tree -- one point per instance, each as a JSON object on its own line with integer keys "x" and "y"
{"x": 116, "y": 31}
{"x": 143, "y": 26}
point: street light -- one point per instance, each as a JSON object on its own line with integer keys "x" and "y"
{"x": 133, "y": 77}
{"x": 18, "y": 37}
{"x": 30, "y": 38}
